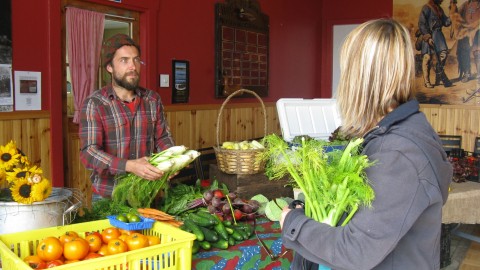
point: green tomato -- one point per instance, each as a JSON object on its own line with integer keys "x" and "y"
{"x": 122, "y": 218}
{"x": 134, "y": 218}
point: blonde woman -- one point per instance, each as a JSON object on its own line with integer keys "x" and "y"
{"x": 412, "y": 174}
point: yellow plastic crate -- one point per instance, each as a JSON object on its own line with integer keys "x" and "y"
{"x": 174, "y": 252}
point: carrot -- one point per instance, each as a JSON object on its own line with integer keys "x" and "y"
{"x": 155, "y": 214}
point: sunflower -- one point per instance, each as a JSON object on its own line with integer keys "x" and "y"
{"x": 41, "y": 190}
{"x": 3, "y": 179}
{"x": 25, "y": 172}
{"x": 22, "y": 191}
{"x": 24, "y": 160}
{"x": 9, "y": 156}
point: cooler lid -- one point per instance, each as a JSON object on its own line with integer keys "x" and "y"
{"x": 317, "y": 118}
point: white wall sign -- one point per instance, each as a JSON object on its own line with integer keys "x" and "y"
{"x": 28, "y": 90}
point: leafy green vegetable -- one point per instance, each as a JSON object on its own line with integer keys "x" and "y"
{"x": 333, "y": 183}
{"x": 273, "y": 209}
{"x": 178, "y": 197}
{"x": 137, "y": 192}
{"x": 101, "y": 209}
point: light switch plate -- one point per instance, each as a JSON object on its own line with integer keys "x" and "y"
{"x": 164, "y": 80}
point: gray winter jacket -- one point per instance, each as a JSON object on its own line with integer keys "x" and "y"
{"x": 402, "y": 228}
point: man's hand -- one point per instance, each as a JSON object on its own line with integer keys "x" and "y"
{"x": 143, "y": 168}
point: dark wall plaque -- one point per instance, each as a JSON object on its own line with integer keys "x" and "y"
{"x": 241, "y": 48}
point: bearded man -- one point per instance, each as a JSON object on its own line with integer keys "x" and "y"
{"x": 122, "y": 124}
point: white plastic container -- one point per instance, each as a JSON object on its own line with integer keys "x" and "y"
{"x": 317, "y": 118}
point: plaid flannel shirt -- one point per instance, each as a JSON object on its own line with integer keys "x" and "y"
{"x": 110, "y": 134}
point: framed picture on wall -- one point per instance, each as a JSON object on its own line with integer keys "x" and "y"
{"x": 447, "y": 70}
{"x": 181, "y": 78}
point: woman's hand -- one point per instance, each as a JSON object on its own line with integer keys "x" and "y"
{"x": 285, "y": 211}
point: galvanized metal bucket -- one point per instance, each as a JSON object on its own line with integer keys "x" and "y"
{"x": 58, "y": 209}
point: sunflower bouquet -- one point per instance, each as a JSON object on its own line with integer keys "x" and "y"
{"x": 19, "y": 180}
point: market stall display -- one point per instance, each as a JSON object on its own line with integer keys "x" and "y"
{"x": 250, "y": 253}
{"x": 173, "y": 252}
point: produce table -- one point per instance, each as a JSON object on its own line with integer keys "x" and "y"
{"x": 248, "y": 254}
{"x": 462, "y": 207}
{"x": 463, "y": 204}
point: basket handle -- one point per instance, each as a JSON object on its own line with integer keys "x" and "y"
{"x": 240, "y": 91}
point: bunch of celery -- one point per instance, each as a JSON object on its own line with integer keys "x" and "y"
{"x": 137, "y": 192}
{"x": 334, "y": 183}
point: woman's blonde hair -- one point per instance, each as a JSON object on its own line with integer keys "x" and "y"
{"x": 377, "y": 72}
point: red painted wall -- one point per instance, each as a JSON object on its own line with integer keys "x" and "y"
{"x": 300, "y": 48}
{"x": 186, "y": 32}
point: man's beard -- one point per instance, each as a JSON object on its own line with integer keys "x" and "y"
{"x": 123, "y": 82}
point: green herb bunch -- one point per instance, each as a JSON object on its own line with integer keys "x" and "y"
{"x": 334, "y": 183}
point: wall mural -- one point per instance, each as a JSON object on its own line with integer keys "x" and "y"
{"x": 446, "y": 40}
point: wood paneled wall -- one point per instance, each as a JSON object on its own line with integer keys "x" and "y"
{"x": 31, "y": 133}
{"x": 455, "y": 120}
{"x": 196, "y": 127}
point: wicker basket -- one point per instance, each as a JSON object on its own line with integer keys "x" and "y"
{"x": 239, "y": 161}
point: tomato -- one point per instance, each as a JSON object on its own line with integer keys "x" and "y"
{"x": 76, "y": 249}
{"x": 110, "y": 233}
{"x": 92, "y": 255}
{"x": 116, "y": 246}
{"x": 96, "y": 233}
{"x": 54, "y": 263}
{"x": 50, "y": 249}
{"x": 136, "y": 241}
{"x": 94, "y": 241}
{"x": 127, "y": 232}
{"x": 218, "y": 194}
{"x": 153, "y": 240}
{"x": 123, "y": 237}
{"x": 103, "y": 250}
{"x": 35, "y": 262}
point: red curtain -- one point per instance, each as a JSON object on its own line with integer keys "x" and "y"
{"x": 84, "y": 42}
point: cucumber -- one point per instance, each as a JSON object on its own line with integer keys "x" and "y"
{"x": 205, "y": 245}
{"x": 242, "y": 232}
{"x": 231, "y": 240}
{"x": 195, "y": 247}
{"x": 195, "y": 229}
{"x": 212, "y": 218}
{"x": 210, "y": 235}
{"x": 221, "y": 244}
{"x": 201, "y": 221}
{"x": 227, "y": 223}
{"x": 246, "y": 227}
{"x": 236, "y": 235}
{"x": 228, "y": 229}
{"x": 220, "y": 229}
{"x": 184, "y": 228}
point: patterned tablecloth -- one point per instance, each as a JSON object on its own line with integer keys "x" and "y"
{"x": 248, "y": 254}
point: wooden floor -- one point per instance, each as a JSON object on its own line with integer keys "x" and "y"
{"x": 464, "y": 254}
{"x": 472, "y": 258}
